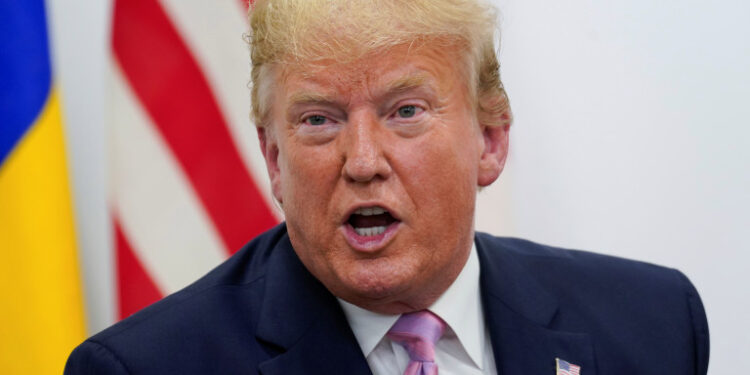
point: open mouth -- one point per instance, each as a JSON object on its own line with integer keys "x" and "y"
{"x": 370, "y": 229}
{"x": 371, "y": 221}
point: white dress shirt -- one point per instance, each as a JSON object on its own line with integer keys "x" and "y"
{"x": 464, "y": 348}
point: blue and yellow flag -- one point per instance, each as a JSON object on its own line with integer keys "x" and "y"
{"x": 41, "y": 305}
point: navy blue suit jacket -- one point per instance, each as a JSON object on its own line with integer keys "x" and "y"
{"x": 262, "y": 312}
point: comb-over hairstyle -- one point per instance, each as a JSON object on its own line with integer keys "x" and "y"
{"x": 308, "y": 31}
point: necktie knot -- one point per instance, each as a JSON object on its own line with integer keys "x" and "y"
{"x": 418, "y": 332}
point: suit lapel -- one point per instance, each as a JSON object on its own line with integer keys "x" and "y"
{"x": 302, "y": 321}
{"x": 519, "y": 312}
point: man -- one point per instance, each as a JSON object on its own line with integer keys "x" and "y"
{"x": 379, "y": 121}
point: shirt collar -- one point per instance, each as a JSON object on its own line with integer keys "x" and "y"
{"x": 459, "y": 306}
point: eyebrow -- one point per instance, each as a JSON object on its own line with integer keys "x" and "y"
{"x": 407, "y": 83}
{"x": 307, "y": 97}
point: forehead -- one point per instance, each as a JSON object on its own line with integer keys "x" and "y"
{"x": 396, "y": 69}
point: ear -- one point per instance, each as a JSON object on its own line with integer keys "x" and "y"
{"x": 492, "y": 160}
{"x": 270, "y": 150}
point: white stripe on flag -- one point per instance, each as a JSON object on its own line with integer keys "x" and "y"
{"x": 213, "y": 31}
{"x": 178, "y": 243}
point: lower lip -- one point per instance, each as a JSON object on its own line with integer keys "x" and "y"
{"x": 369, "y": 244}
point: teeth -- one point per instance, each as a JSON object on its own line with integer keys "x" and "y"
{"x": 369, "y": 211}
{"x": 371, "y": 231}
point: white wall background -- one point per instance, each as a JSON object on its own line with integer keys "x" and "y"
{"x": 80, "y": 43}
{"x": 631, "y": 138}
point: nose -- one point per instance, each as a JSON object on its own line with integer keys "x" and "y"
{"x": 364, "y": 157}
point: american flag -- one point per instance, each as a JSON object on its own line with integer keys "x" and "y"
{"x": 566, "y": 368}
{"x": 188, "y": 182}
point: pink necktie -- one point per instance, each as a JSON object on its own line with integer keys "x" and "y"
{"x": 418, "y": 332}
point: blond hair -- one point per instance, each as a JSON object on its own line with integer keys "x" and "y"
{"x": 306, "y": 31}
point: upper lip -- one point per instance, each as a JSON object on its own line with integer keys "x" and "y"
{"x": 355, "y": 207}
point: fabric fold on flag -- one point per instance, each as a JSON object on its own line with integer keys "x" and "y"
{"x": 185, "y": 186}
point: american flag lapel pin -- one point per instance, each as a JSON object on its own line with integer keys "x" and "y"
{"x": 566, "y": 368}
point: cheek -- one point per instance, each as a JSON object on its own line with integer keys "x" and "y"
{"x": 306, "y": 183}
{"x": 445, "y": 161}
{"x": 309, "y": 176}
{"x": 305, "y": 169}
{"x": 440, "y": 176}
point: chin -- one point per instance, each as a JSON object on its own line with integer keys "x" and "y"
{"x": 375, "y": 281}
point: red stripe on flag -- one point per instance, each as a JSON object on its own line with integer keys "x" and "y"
{"x": 135, "y": 288}
{"x": 176, "y": 95}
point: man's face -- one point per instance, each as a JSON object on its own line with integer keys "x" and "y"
{"x": 376, "y": 164}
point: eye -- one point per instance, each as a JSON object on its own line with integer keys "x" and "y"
{"x": 316, "y": 120}
{"x": 407, "y": 111}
